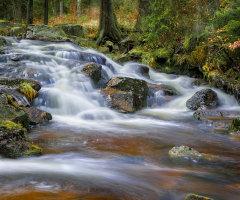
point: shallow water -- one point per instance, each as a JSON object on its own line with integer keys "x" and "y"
{"x": 93, "y": 152}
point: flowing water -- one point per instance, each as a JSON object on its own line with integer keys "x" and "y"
{"x": 93, "y": 152}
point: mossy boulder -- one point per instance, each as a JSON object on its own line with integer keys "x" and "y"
{"x": 234, "y": 126}
{"x": 104, "y": 50}
{"x": 196, "y": 197}
{"x": 3, "y": 42}
{"x": 203, "y": 97}
{"x": 13, "y": 142}
{"x": 12, "y": 113}
{"x": 93, "y": 70}
{"x": 46, "y": 33}
{"x": 37, "y": 116}
{"x": 128, "y": 58}
{"x": 71, "y": 29}
{"x": 130, "y": 41}
{"x": 185, "y": 151}
{"x": 126, "y": 94}
{"x": 15, "y": 83}
{"x": 199, "y": 82}
{"x": 17, "y": 31}
{"x": 15, "y": 98}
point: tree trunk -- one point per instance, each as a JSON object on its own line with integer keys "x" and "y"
{"x": 143, "y": 12}
{"x": 79, "y": 8}
{"x": 19, "y": 11}
{"x": 1, "y": 10}
{"x": 46, "y": 12}
{"x": 61, "y": 7}
{"x": 30, "y": 12}
{"x": 108, "y": 26}
{"x": 210, "y": 7}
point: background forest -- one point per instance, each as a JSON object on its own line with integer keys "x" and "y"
{"x": 174, "y": 36}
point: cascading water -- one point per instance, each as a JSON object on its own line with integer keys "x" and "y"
{"x": 93, "y": 151}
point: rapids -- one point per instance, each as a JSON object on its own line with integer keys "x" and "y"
{"x": 93, "y": 152}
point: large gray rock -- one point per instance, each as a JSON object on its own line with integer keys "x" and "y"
{"x": 203, "y": 97}
{"x": 46, "y": 33}
{"x": 126, "y": 94}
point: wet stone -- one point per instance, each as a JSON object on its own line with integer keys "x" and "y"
{"x": 126, "y": 94}
{"x": 203, "y": 97}
{"x": 196, "y": 197}
{"x": 15, "y": 83}
{"x": 37, "y": 116}
{"x": 19, "y": 98}
{"x": 185, "y": 151}
{"x": 93, "y": 70}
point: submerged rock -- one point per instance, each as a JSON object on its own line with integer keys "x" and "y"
{"x": 81, "y": 56}
{"x": 126, "y": 94}
{"x": 202, "y": 114}
{"x": 159, "y": 95}
{"x": 196, "y": 197}
{"x": 219, "y": 119}
{"x": 185, "y": 151}
{"x": 203, "y": 97}
{"x": 153, "y": 88}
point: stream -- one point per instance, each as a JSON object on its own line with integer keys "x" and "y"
{"x": 93, "y": 152}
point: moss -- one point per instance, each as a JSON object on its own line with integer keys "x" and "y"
{"x": 9, "y": 125}
{"x": 35, "y": 150}
{"x": 28, "y": 91}
{"x": 196, "y": 197}
{"x": 234, "y": 126}
{"x": 11, "y": 101}
{"x": 26, "y": 123}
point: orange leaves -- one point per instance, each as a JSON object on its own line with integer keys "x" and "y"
{"x": 235, "y": 45}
